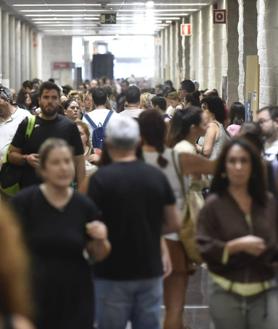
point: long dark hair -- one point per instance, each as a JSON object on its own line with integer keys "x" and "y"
{"x": 153, "y": 131}
{"x": 257, "y": 181}
{"x": 181, "y": 123}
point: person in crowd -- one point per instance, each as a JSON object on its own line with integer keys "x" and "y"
{"x": 186, "y": 87}
{"x": 132, "y": 108}
{"x": 267, "y": 118}
{"x": 94, "y": 84}
{"x": 173, "y": 103}
{"x": 137, "y": 205}
{"x": 88, "y": 102}
{"x": 237, "y": 237}
{"x": 236, "y": 118}
{"x": 10, "y": 117}
{"x": 66, "y": 90}
{"x": 146, "y": 101}
{"x": 24, "y": 100}
{"x": 48, "y": 124}
{"x": 192, "y": 99}
{"x": 27, "y": 86}
{"x": 216, "y": 135}
{"x": 153, "y": 131}
{"x": 99, "y": 117}
{"x": 16, "y": 308}
{"x": 90, "y": 157}
{"x": 72, "y": 109}
{"x": 121, "y": 98}
{"x": 252, "y": 131}
{"x": 159, "y": 104}
{"x": 61, "y": 228}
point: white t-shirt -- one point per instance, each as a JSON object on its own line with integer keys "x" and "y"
{"x": 271, "y": 150}
{"x": 132, "y": 113}
{"x": 98, "y": 116}
{"x": 8, "y": 129}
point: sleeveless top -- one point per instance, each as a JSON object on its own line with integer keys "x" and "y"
{"x": 219, "y": 142}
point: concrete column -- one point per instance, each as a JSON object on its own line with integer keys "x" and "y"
{"x": 178, "y": 55}
{"x": 186, "y": 41}
{"x": 23, "y": 52}
{"x": 1, "y": 47}
{"x": 39, "y": 54}
{"x": 28, "y": 61}
{"x": 161, "y": 36}
{"x": 268, "y": 51}
{"x": 233, "y": 51}
{"x": 18, "y": 51}
{"x": 34, "y": 54}
{"x": 247, "y": 28}
{"x": 170, "y": 61}
{"x": 5, "y": 50}
{"x": 87, "y": 60}
{"x": 194, "y": 47}
{"x": 12, "y": 51}
{"x": 158, "y": 61}
{"x": 167, "y": 54}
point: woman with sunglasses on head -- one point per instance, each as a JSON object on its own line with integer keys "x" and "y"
{"x": 237, "y": 237}
{"x": 60, "y": 228}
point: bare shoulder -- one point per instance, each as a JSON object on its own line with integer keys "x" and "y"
{"x": 20, "y": 322}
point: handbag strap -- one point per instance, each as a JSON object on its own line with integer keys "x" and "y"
{"x": 178, "y": 173}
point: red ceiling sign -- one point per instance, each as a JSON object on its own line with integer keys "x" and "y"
{"x": 219, "y": 16}
{"x": 186, "y": 30}
{"x": 62, "y": 65}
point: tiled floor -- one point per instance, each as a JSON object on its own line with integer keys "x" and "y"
{"x": 196, "y": 312}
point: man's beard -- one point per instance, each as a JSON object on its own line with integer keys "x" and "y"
{"x": 49, "y": 112}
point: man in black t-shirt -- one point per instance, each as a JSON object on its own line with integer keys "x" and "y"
{"x": 24, "y": 151}
{"x": 137, "y": 205}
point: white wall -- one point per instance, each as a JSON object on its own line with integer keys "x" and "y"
{"x": 56, "y": 49}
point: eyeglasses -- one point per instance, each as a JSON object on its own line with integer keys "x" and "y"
{"x": 261, "y": 122}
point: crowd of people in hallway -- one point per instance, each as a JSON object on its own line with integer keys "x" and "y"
{"x": 114, "y": 193}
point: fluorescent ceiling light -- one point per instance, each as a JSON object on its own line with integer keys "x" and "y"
{"x": 101, "y": 11}
{"x": 149, "y": 4}
{"x": 110, "y": 4}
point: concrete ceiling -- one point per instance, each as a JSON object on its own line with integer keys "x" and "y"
{"x": 73, "y": 17}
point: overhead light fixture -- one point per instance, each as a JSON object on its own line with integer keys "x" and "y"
{"x": 149, "y": 4}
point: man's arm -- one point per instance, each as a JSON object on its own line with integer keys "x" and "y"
{"x": 172, "y": 219}
{"x": 79, "y": 162}
{"x": 16, "y": 157}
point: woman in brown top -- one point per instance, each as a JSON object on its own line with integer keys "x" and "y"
{"x": 237, "y": 236}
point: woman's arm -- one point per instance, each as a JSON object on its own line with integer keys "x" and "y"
{"x": 209, "y": 140}
{"x": 196, "y": 164}
{"x": 99, "y": 248}
{"x": 166, "y": 259}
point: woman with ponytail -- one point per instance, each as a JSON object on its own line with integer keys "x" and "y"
{"x": 153, "y": 131}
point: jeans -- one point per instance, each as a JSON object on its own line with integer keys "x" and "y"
{"x": 231, "y": 311}
{"x": 137, "y": 301}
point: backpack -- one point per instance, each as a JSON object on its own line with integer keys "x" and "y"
{"x": 98, "y": 132}
{"x": 10, "y": 174}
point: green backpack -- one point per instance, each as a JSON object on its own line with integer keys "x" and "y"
{"x": 10, "y": 174}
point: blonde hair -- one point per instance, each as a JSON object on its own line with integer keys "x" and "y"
{"x": 85, "y": 127}
{"x": 15, "y": 296}
{"x": 146, "y": 101}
